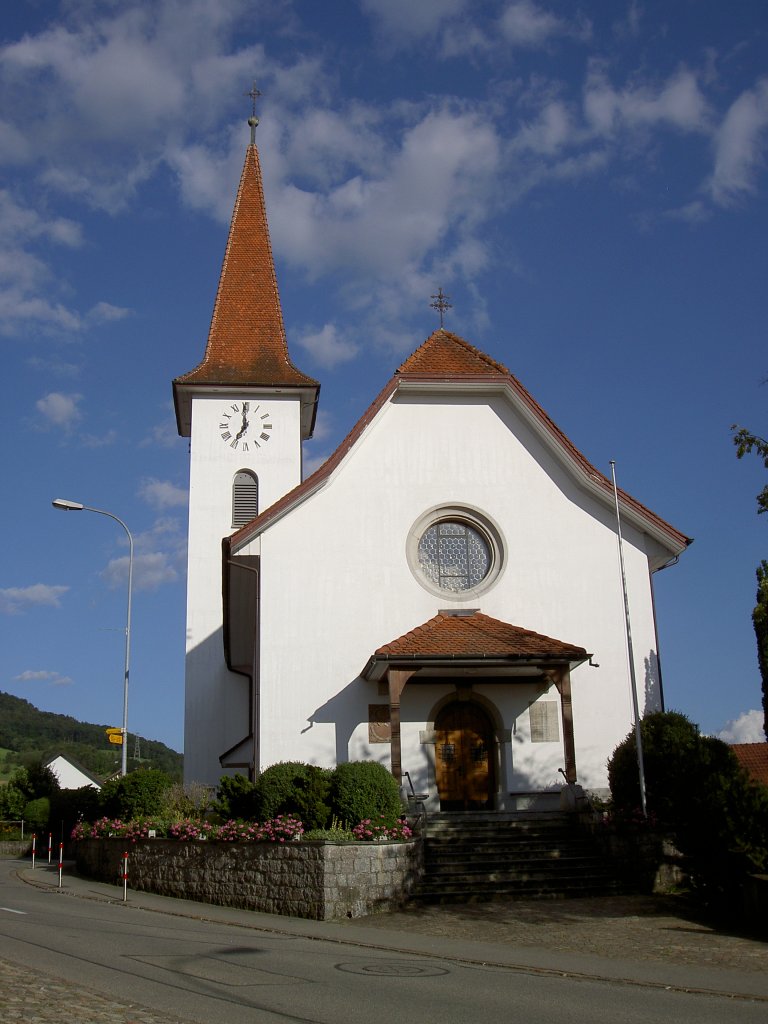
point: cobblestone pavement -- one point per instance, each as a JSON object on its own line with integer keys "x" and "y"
{"x": 38, "y": 998}
{"x": 649, "y": 928}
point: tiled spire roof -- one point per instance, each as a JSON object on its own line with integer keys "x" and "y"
{"x": 477, "y": 635}
{"x": 246, "y": 342}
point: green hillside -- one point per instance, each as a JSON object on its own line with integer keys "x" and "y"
{"x": 27, "y": 734}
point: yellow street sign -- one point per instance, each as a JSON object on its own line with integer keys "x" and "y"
{"x": 116, "y": 738}
{"x": 114, "y": 732}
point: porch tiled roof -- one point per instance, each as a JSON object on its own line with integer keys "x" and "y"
{"x": 753, "y": 758}
{"x": 477, "y": 635}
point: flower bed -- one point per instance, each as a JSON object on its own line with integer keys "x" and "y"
{"x": 265, "y": 866}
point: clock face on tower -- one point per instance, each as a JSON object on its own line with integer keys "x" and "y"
{"x": 245, "y": 426}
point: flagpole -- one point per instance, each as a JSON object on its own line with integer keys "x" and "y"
{"x": 630, "y": 652}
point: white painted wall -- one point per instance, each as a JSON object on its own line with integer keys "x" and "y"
{"x": 69, "y": 776}
{"x": 336, "y": 585}
{"x": 216, "y": 700}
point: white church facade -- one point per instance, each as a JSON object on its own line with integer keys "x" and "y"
{"x": 442, "y": 595}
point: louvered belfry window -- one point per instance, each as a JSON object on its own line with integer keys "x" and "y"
{"x": 245, "y": 498}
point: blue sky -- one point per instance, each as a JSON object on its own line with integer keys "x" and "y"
{"x": 587, "y": 182}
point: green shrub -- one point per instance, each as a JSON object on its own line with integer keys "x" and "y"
{"x": 671, "y": 748}
{"x": 364, "y": 789}
{"x": 335, "y": 832}
{"x": 68, "y": 806}
{"x": 696, "y": 788}
{"x": 135, "y": 795}
{"x": 37, "y": 813}
{"x": 292, "y": 787}
{"x": 190, "y": 800}
{"x": 236, "y": 797}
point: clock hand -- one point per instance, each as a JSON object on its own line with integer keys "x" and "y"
{"x": 244, "y": 427}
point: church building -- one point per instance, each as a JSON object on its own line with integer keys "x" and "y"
{"x": 443, "y": 595}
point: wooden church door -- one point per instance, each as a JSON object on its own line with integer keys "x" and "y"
{"x": 464, "y": 757}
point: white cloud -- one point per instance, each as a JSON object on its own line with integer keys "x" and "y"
{"x": 105, "y": 313}
{"x": 323, "y": 426}
{"x": 549, "y": 133}
{"x": 33, "y": 676}
{"x": 677, "y": 103}
{"x": 19, "y": 599}
{"x": 740, "y": 146}
{"x": 328, "y": 346}
{"x": 404, "y": 19}
{"x": 528, "y": 24}
{"x": 25, "y": 279}
{"x": 59, "y": 410}
{"x": 159, "y": 557}
{"x": 19, "y": 221}
{"x": 99, "y": 440}
{"x": 150, "y": 571}
{"x": 747, "y": 728}
{"x": 115, "y": 85}
{"x": 435, "y": 185}
{"x": 163, "y": 494}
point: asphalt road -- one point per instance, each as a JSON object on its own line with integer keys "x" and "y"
{"x": 120, "y": 960}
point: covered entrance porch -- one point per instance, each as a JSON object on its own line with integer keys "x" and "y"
{"x": 463, "y": 653}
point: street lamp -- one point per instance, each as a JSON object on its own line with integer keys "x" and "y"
{"x": 75, "y": 506}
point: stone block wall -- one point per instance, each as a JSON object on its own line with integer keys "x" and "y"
{"x": 315, "y": 880}
{"x": 17, "y": 848}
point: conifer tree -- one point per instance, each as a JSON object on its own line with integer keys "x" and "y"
{"x": 747, "y": 443}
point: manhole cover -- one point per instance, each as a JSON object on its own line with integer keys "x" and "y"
{"x": 393, "y": 969}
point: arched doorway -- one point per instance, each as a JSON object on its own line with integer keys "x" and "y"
{"x": 464, "y": 757}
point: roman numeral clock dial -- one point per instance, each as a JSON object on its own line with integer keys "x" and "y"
{"x": 244, "y": 427}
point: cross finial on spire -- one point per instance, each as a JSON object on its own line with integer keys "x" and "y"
{"x": 253, "y": 121}
{"x": 440, "y": 304}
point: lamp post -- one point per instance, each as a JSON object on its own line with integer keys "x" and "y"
{"x": 76, "y": 506}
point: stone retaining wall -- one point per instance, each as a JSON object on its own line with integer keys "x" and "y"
{"x": 15, "y": 847}
{"x": 316, "y": 880}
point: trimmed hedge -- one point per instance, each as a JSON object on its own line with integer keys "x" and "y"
{"x": 292, "y": 787}
{"x": 362, "y": 790}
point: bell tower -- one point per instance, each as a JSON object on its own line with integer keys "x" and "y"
{"x": 246, "y": 409}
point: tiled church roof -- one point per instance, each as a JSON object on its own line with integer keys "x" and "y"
{"x": 445, "y": 357}
{"x": 444, "y": 353}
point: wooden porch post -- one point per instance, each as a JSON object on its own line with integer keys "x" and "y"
{"x": 396, "y": 680}
{"x": 562, "y": 680}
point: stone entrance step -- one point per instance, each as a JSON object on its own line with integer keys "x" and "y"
{"x": 483, "y": 856}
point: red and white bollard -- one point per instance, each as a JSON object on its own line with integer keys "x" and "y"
{"x": 61, "y": 860}
{"x": 34, "y": 848}
{"x": 125, "y": 876}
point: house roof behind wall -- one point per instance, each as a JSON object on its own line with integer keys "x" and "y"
{"x": 753, "y": 758}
